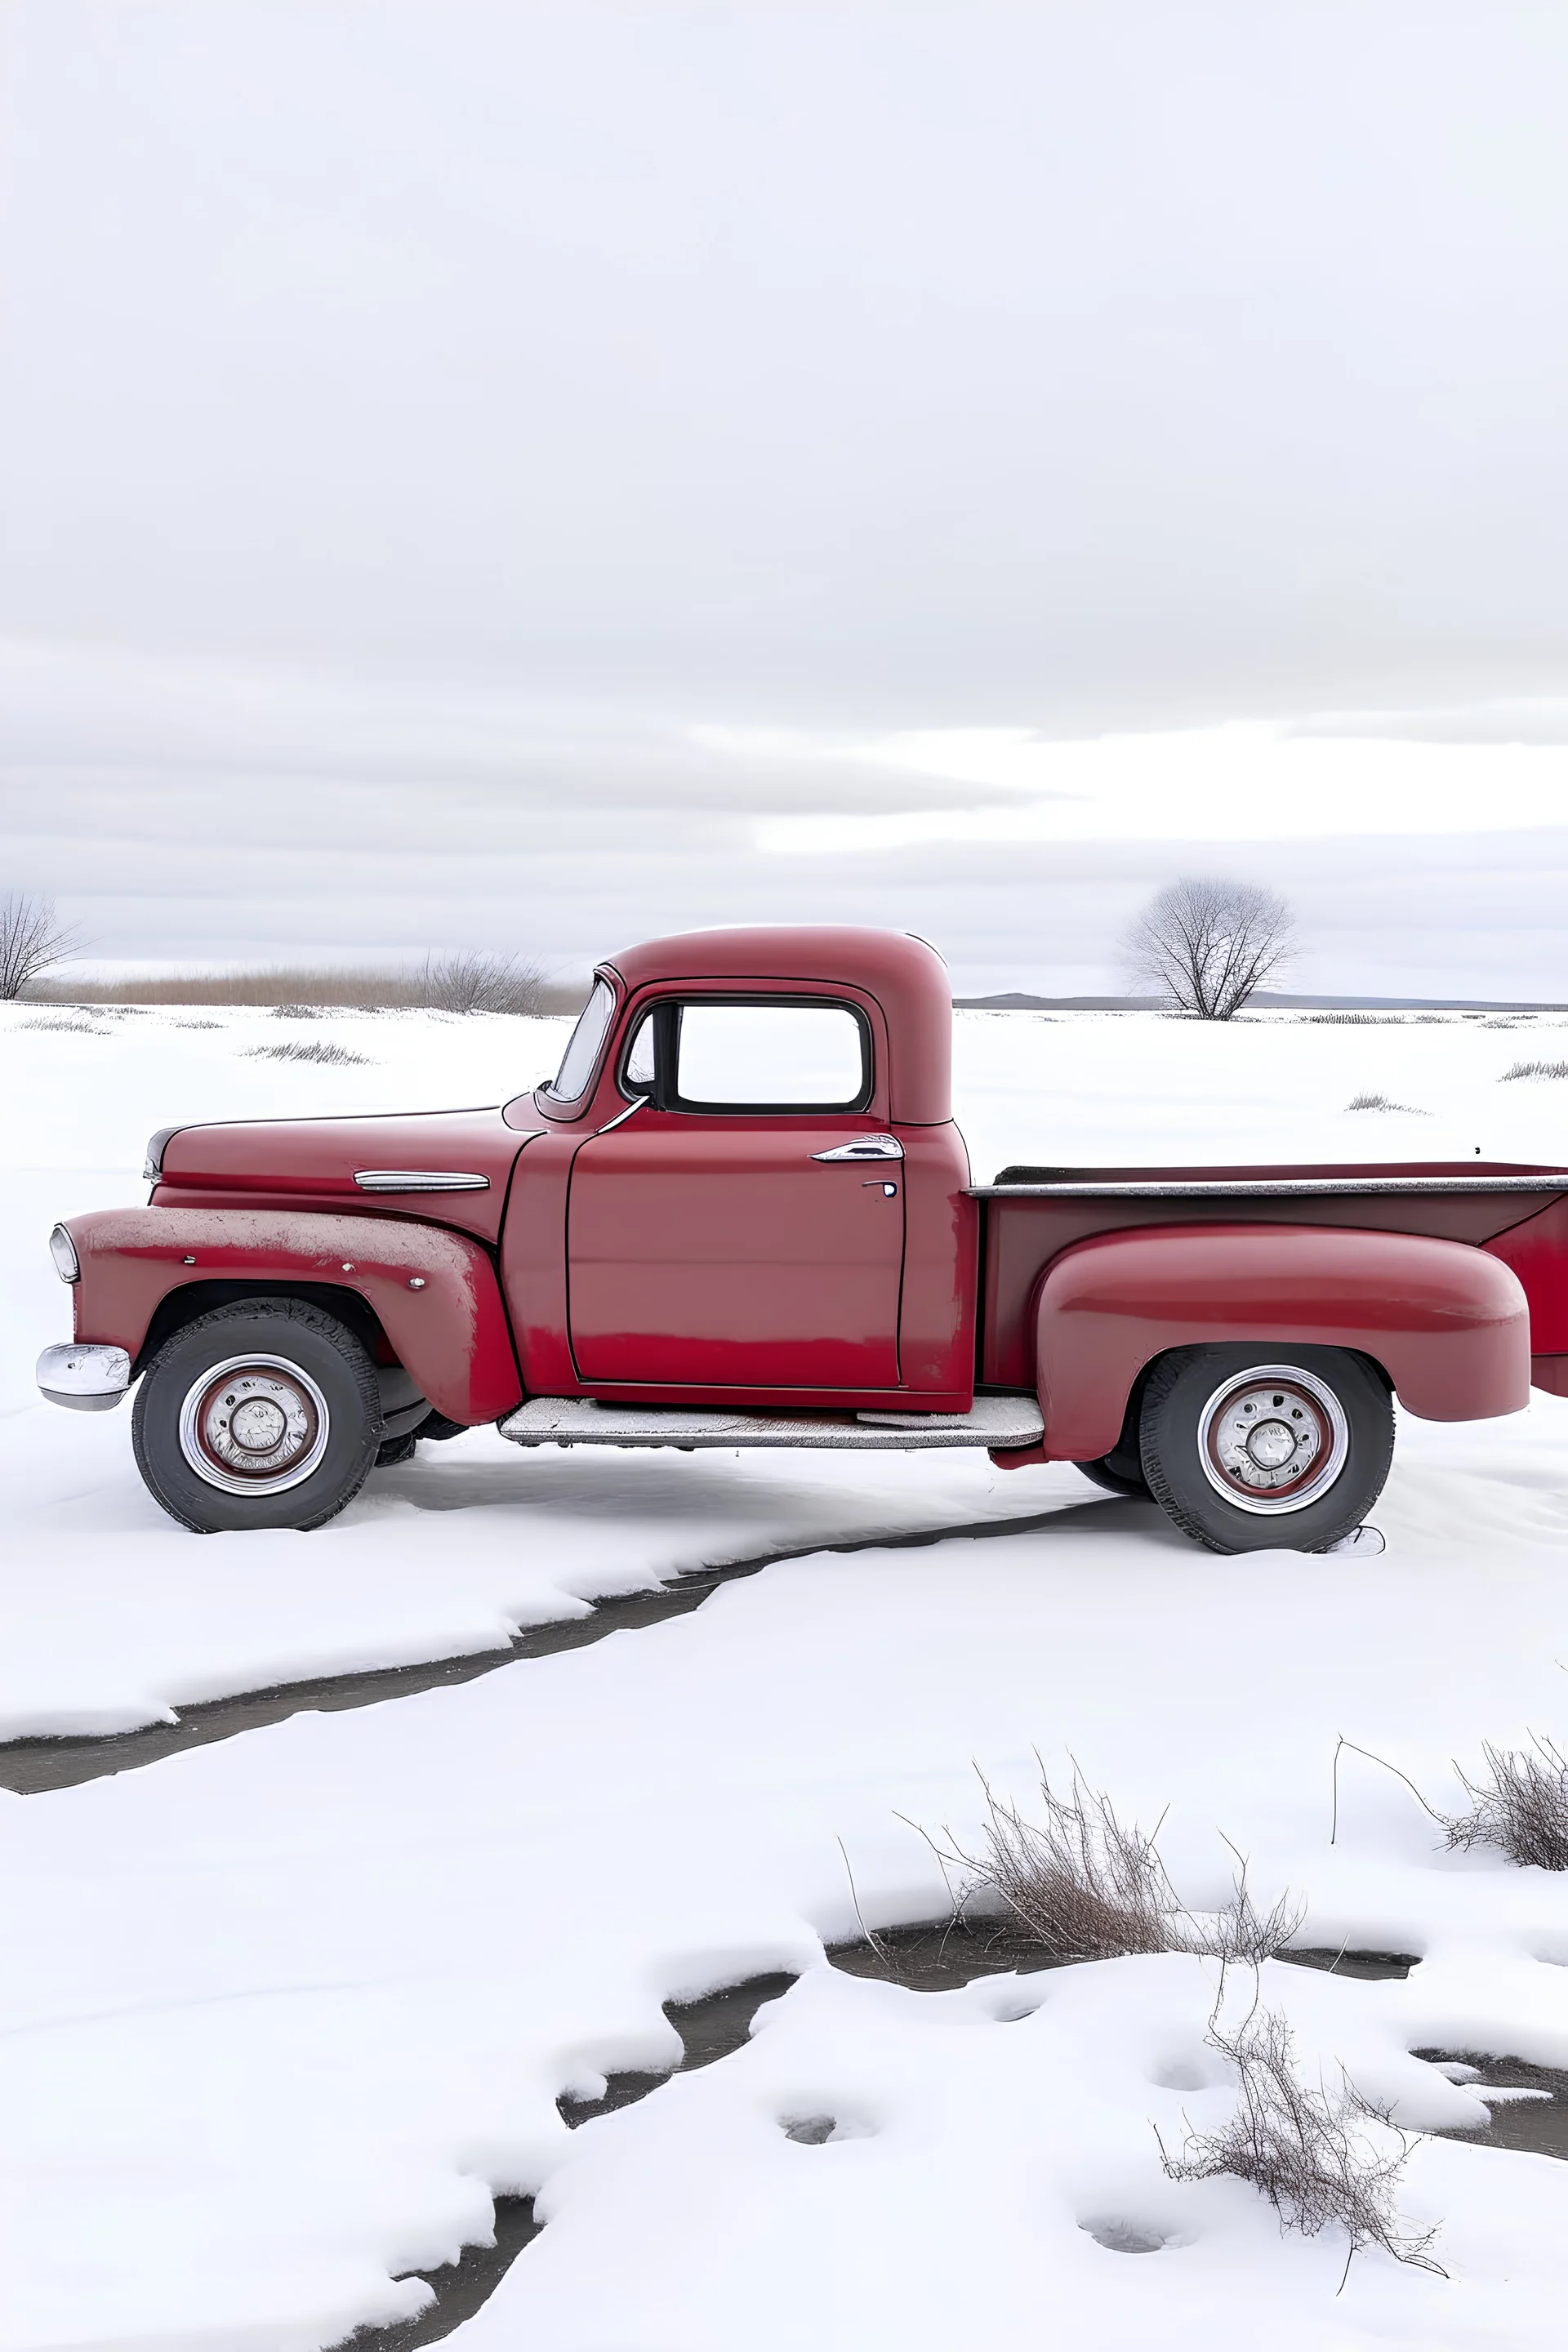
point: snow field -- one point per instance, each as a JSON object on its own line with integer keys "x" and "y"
{"x": 278, "y": 2016}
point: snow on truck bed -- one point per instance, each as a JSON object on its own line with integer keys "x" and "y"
{"x": 277, "y": 2015}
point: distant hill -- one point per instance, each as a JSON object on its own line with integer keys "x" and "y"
{"x": 1015, "y": 1001}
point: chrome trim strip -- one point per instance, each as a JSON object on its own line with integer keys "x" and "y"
{"x": 1271, "y": 1187}
{"x": 621, "y": 1116}
{"x": 419, "y": 1180}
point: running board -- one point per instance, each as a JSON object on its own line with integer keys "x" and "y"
{"x": 1005, "y": 1422}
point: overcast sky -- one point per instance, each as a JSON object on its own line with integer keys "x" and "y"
{"x": 544, "y": 475}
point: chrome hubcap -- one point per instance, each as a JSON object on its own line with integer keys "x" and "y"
{"x": 254, "y": 1424}
{"x": 1273, "y": 1438}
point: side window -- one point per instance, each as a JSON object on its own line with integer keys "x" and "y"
{"x": 642, "y": 1056}
{"x": 768, "y": 1056}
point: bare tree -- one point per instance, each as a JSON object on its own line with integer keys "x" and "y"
{"x": 31, "y": 941}
{"x": 476, "y": 981}
{"x": 1208, "y": 944}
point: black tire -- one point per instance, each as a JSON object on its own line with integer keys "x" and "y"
{"x": 305, "y": 1374}
{"x": 1119, "y": 1473}
{"x": 437, "y": 1426}
{"x": 1201, "y": 1406}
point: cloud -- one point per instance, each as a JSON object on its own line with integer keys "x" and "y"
{"x": 541, "y": 476}
{"x": 184, "y": 813}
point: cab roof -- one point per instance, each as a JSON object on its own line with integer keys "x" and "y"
{"x": 901, "y": 975}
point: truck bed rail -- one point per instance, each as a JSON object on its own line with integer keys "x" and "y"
{"x": 1262, "y": 1188}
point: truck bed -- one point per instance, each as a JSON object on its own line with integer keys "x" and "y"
{"x": 1516, "y": 1211}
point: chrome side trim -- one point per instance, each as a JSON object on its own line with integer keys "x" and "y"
{"x": 91, "y": 1378}
{"x": 621, "y": 1116}
{"x": 1269, "y": 1188}
{"x": 419, "y": 1180}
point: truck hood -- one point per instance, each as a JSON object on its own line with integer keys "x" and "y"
{"x": 447, "y": 1167}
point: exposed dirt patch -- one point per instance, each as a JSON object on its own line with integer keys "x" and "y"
{"x": 942, "y": 1953}
{"x": 711, "y": 2028}
{"x": 461, "y": 2287}
{"x": 1369, "y": 1967}
{"x": 938, "y": 1955}
{"x": 32, "y": 1767}
{"x": 1537, "y": 2125}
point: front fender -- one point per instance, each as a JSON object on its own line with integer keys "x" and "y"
{"x": 1449, "y": 1324}
{"x": 434, "y": 1292}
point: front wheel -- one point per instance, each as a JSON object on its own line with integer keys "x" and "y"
{"x": 265, "y": 1414}
{"x": 1250, "y": 1452}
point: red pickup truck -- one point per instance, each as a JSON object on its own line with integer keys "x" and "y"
{"x": 740, "y": 1215}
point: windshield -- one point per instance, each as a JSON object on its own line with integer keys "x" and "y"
{"x": 583, "y": 1048}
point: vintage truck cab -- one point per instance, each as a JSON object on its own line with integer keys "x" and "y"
{"x": 742, "y": 1214}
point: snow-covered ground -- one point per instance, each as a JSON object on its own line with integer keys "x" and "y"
{"x": 277, "y": 2016}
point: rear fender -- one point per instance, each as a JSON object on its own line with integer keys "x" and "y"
{"x": 1447, "y": 1325}
{"x": 433, "y": 1291}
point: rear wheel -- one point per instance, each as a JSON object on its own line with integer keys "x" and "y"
{"x": 1247, "y": 1450}
{"x": 265, "y": 1414}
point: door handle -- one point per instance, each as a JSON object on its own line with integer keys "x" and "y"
{"x": 866, "y": 1147}
{"x": 875, "y": 1184}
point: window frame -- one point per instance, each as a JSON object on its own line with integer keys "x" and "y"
{"x": 665, "y": 1012}
{"x": 563, "y": 1106}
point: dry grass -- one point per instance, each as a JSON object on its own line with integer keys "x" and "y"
{"x": 1085, "y": 1885}
{"x": 302, "y": 989}
{"x": 1319, "y": 2156}
{"x": 1521, "y": 1808}
{"x": 1535, "y": 1070}
{"x": 81, "y": 1028}
{"x": 313, "y": 1050}
{"x": 1381, "y": 1102}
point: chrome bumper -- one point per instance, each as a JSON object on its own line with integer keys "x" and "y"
{"x": 89, "y": 1379}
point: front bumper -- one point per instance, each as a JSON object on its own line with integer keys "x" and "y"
{"x": 91, "y": 1378}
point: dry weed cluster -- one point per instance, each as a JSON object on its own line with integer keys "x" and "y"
{"x": 314, "y": 1049}
{"x": 1085, "y": 1885}
{"x": 1522, "y": 1807}
{"x": 1318, "y": 2156}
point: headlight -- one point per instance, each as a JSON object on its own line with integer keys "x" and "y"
{"x": 62, "y": 1249}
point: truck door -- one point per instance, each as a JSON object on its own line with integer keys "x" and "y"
{"x": 744, "y": 1228}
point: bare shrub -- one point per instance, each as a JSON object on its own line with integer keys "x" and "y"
{"x": 1381, "y": 1102}
{"x": 475, "y": 981}
{"x": 305, "y": 988}
{"x": 1206, "y": 944}
{"x": 1521, "y": 1808}
{"x": 313, "y": 1050}
{"x": 1085, "y": 1885}
{"x": 31, "y": 941}
{"x": 1319, "y": 2156}
{"x": 1535, "y": 1070}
